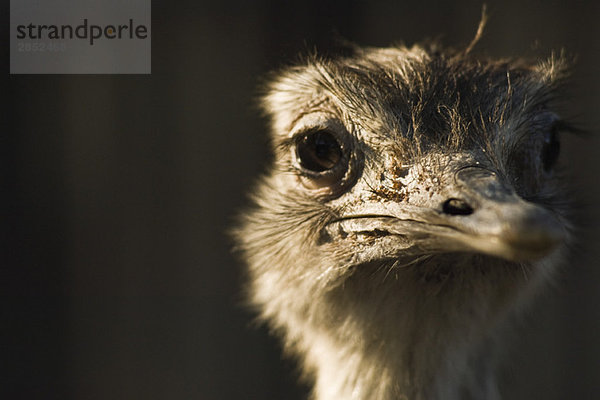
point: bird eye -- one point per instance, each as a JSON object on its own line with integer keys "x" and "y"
{"x": 318, "y": 151}
{"x": 550, "y": 149}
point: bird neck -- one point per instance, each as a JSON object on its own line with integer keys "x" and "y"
{"x": 408, "y": 337}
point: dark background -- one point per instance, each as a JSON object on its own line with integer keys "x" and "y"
{"x": 117, "y": 278}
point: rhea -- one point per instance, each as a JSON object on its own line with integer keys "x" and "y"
{"x": 413, "y": 206}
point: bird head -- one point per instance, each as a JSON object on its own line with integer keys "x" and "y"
{"x": 393, "y": 156}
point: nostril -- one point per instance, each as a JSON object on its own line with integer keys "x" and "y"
{"x": 456, "y": 207}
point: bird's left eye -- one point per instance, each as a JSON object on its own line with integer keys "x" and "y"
{"x": 550, "y": 149}
{"x": 318, "y": 151}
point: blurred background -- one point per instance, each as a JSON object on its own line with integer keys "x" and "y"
{"x": 117, "y": 279}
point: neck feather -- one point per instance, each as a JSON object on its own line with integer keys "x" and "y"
{"x": 426, "y": 332}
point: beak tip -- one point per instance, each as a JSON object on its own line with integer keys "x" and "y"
{"x": 517, "y": 232}
{"x": 533, "y": 238}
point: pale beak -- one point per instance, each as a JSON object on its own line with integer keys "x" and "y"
{"x": 491, "y": 218}
{"x": 476, "y": 213}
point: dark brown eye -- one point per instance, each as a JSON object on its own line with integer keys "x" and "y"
{"x": 318, "y": 151}
{"x": 550, "y": 149}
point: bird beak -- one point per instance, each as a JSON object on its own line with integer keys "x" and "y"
{"x": 491, "y": 218}
{"x": 472, "y": 212}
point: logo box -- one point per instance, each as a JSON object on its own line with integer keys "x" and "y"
{"x": 80, "y": 37}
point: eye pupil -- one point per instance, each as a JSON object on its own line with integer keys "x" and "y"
{"x": 551, "y": 150}
{"x": 318, "y": 151}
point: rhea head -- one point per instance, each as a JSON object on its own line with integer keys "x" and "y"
{"x": 415, "y": 198}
